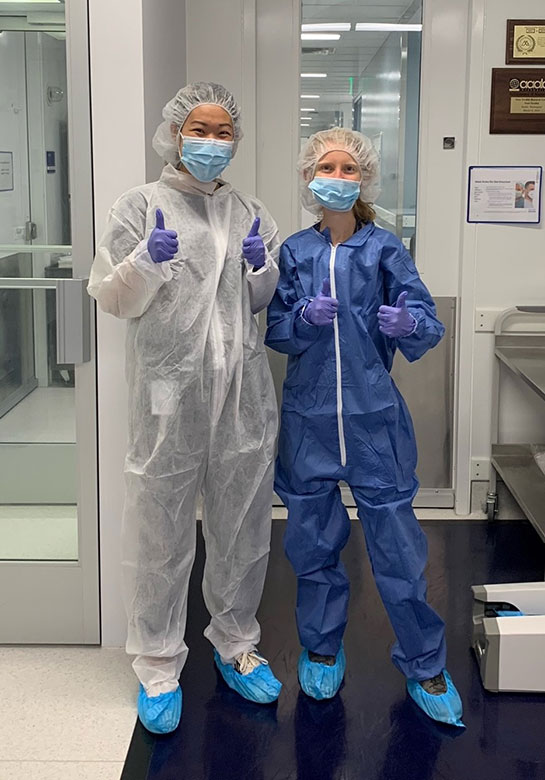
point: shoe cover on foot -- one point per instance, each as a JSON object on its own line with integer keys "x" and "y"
{"x": 445, "y": 708}
{"x": 319, "y": 680}
{"x": 160, "y": 714}
{"x": 260, "y": 685}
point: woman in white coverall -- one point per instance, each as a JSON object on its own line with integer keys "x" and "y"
{"x": 189, "y": 261}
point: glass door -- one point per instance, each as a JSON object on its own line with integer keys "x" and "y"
{"x": 48, "y": 507}
{"x": 360, "y": 69}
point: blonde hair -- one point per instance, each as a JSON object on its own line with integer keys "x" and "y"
{"x": 363, "y": 211}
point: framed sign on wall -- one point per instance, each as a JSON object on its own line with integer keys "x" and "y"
{"x": 504, "y": 193}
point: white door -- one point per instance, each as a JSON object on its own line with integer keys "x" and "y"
{"x": 48, "y": 483}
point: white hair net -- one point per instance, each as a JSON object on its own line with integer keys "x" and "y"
{"x": 339, "y": 139}
{"x": 182, "y": 104}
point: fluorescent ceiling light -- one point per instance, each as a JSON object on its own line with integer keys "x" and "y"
{"x": 385, "y": 27}
{"x": 326, "y": 26}
{"x": 313, "y": 75}
{"x": 305, "y": 124}
{"x": 320, "y": 36}
{"x": 310, "y": 97}
{"x": 33, "y": 2}
{"x": 308, "y": 109}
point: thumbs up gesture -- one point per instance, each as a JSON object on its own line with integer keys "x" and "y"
{"x": 253, "y": 248}
{"x": 162, "y": 244}
{"x": 396, "y": 321}
{"x": 323, "y": 309}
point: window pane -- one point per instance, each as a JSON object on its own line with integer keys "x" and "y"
{"x": 360, "y": 69}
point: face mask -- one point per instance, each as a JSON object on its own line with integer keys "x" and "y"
{"x": 206, "y": 158}
{"x": 335, "y": 194}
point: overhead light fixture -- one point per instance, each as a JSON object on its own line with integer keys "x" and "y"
{"x": 386, "y": 27}
{"x": 326, "y": 26}
{"x": 33, "y": 2}
{"x": 305, "y": 124}
{"x": 320, "y": 36}
{"x": 310, "y": 97}
{"x": 308, "y": 109}
{"x": 313, "y": 75}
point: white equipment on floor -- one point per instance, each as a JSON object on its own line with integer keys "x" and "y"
{"x": 509, "y": 636}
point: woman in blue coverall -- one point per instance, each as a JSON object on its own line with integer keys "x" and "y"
{"x": 349, "y": 295}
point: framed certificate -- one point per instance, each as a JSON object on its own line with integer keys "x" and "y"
{"x": 525, "y": 42}
{"x": 506, "y": 193}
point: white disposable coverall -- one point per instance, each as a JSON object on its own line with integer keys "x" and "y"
{"x": 202, "y": 414}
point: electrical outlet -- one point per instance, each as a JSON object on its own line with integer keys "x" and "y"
{"x": 409, "y": 220}
{"x": 19, "y": 233}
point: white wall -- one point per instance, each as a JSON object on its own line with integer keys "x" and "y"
{"x": 165, "y": 71}
{"x": 221, "y": 46}
{"x": 502, "y": 265}
{"x": 119, "y": 52}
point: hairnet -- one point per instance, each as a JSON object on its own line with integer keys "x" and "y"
{"x": 182, "y": 104}
{"x": 339, "y": 139}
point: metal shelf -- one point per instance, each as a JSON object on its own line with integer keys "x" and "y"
{"x": 525, "y": 357}
{"x": 516, "y": 465}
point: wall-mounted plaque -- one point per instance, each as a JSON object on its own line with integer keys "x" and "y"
{"x": 518, "y": 100}
{"x": 525, "y": 42}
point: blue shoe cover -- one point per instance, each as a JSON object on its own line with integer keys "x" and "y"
{"x": 319, "y": 680}
{"x": 446, "y": 708}
{"x": 260, "y": 685}
{"x": 160, "y": 714}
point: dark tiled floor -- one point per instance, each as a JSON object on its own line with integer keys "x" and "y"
{"x": 370, "y": 731}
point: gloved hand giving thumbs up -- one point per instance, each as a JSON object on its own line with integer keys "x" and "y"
{"x": 162, "y": 244}
{"x": 253, "y": 248}
{"x": 323, "y": 309}
{"x": 396, "y": 321}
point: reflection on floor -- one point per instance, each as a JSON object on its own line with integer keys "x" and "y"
{"x": 45, "y": 415}
{"x": 370, "y": 731}
{"x": 38, "y": 533}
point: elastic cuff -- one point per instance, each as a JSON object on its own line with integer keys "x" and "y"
{"x": 413, "y": 331}
{"x": 251, "y": 269}
{"x": 142, "y": 261}
{"x": 310, "y": 324}
{"x": 415, "y": 326}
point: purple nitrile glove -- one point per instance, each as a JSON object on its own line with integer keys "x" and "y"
{"x": 162, "y": 244}
{"x": 253, "y": 248}
{"x": 322, "y": 310}
{"x": 396, "y": 321}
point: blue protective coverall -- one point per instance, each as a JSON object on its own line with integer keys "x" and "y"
{"x": 343, "y": 418}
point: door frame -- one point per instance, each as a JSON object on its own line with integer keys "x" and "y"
{"x": 75, "y": 584}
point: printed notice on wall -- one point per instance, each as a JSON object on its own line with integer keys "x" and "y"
{"x": 504, "y": 194}
{"x": 6, "y": 171}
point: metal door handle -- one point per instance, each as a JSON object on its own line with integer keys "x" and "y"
{"x": 73, "y": 321}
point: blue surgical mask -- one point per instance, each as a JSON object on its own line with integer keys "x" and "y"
{"x": 206, "y": 158}
{"x": 335, "y": 194}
